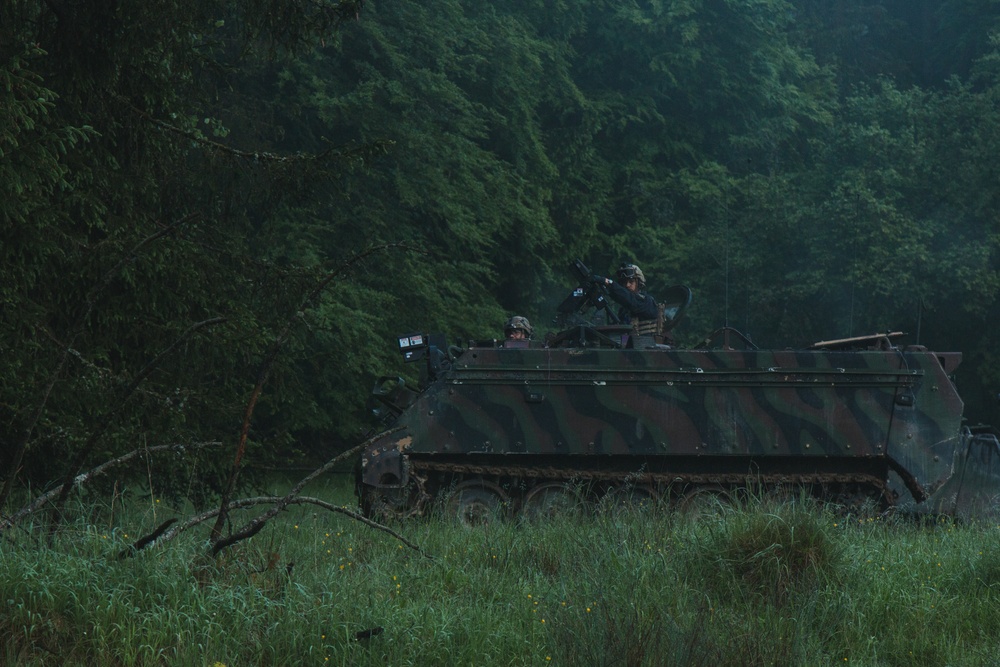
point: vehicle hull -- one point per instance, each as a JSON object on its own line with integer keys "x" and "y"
{"x": 877, "y": 423}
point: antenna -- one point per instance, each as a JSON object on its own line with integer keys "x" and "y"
{"x": 726, "y": 215}
{"x": 920, "y": 316}
{"x": 854, "y": 262}
{"x": 746, "y": 307}
{"x": 850, "y": 319}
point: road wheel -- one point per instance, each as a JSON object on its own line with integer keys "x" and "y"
{"x": 703, "y": 502}
{"x": 476, "y": 503}
{"x": 629, "y": 498}
{"x": 552, "y": 499}
{"x": 394, "y": 503}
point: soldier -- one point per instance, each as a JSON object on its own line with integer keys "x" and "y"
{"x": 637, "y": 308}
{"x": 517, "y": 328}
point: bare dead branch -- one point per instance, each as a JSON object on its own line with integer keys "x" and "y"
{"x": 329, "y": 465}
{"x": 291, "y": 494}
{"x": 265, "y": 370}
{"x": 22, "y": 443}
{"x": 143, "y": 542}
{"x": 242, "y": 503}
{"x": 279, "y": 503}
{"x": 45, "y": 498}
{"x": 238, "y": 537}
{"x": 104, "y": 422}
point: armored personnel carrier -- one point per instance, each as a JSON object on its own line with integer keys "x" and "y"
{"x": 581, "y": 419}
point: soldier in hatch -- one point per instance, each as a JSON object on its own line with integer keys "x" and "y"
{"x": 517, "y": 328}
{"x": 637, "y": 308}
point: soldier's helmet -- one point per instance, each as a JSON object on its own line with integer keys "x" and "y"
{"x": 518, "y": 323}
{"x": 632, "y": 271}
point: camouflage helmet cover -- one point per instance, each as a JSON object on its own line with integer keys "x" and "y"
{"x": 518, "y": 322}
{"x": 627, "y": 270}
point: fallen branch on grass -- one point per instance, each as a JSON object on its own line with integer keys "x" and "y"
{"x": 143, "y": 542}
{"x": 264, "y": 372}
{"x": 257, "y": 525}
{"x": 79, "y": 480}
{"x": 279, "y": 503}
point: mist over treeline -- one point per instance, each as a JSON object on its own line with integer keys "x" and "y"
{"x": 217, "y": 215}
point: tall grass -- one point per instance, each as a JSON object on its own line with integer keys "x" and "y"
{"x": 789, "y": 584}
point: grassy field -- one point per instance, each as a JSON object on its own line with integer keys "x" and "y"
{"x": 764, "y": 585}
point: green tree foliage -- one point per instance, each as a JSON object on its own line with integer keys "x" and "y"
{"x": 135, "y": 311}
{"x": 203, "y": 198}
{"x": 861, "y": 39}
{"x": 701, "y": 98}
{"x": 454, "y": 93}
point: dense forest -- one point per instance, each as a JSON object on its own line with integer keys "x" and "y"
{"x": 217, "y": 215}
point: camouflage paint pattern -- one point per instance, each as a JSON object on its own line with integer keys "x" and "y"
{"x": 891, "y": 413}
